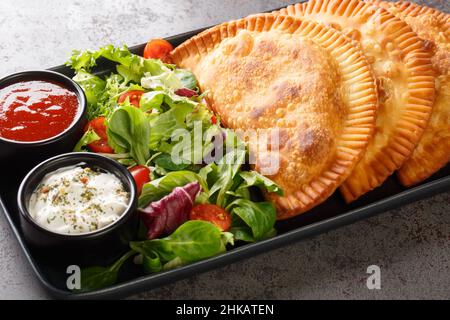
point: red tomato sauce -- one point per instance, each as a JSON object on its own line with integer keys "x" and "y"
{"x": 36, "y": 110}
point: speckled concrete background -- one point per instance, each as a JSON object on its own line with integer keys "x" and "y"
{"x": 410, "y": 244}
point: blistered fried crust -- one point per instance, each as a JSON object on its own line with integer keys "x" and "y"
{"x": 433, "y": 150}
{"x": 405, "y": 83}
{"x": 297, "y": 78}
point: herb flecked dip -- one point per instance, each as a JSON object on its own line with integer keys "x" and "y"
{"x": 77, "y": 199}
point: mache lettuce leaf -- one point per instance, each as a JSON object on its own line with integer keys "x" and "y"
{"x": 128, "y": 129}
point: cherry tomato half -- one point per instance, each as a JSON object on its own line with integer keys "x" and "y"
{"x": 133, "y": 95}
{"x": 100, "y": 146}
{"x": 211, "y": 213}
{"x": 99, "y": 127}
{"x": 141, "y": 175}
{"x": 158, "y": 49}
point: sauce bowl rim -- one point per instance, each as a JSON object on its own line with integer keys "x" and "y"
{"x": 43, "y": 168}
{"x": 65, "y": 82}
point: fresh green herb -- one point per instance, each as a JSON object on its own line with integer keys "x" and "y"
{"x": 94, "y": 278}
{"x": 164, "y": 126}
{"x": 93, "y": 87}
{"x": 165, "y": 161}
{"x": 252, "y": 221}
{"x": 129, "y": 129}
{"x": 227, "y": 169}
{"x": 192, "y": 241}
{"x": 253, "y": 178}
{"x": 85, "y": 60}
{"x": 196, "y": 240}
{"x": 151, "y": 262}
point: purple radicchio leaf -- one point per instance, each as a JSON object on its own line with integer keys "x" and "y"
{"x": 185, "y": 92}
{"x": 166, "y": 215}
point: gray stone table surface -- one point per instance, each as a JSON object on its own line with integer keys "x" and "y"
{"x": 410, "y": 244}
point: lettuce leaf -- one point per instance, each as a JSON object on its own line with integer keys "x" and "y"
{"x": 194, "y": 240}
{"x": 128, "y": 129}
{"x": 187, "y": 78}
{"x": 252, "y": 221}
{"x": 85, "y": 60}
{"x": 227, "y": 169}
{"x": 253, "y": 178}
{"x": 166, "y": 123}
{"x": 131, "y": 66}
{"x": 92, "y": 86}
{"x": 166, "y": 79}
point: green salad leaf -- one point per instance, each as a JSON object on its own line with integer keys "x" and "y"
{"x": 115, "y": 86}
{"x": 209, "y": 173}
{"x": 152, "y": 100}
{"x": 133, "y": 65}
{"x": 226, "y": 172}
{"x": 87, "y": 138}
{"x": 129, "y": 129}
{"x": 151, "y": 247}
{"x": 93, "y": 87}
{"x": 165, "y": 161}
{"x": 169, "y": 121}
{"x": 187, "y": 78}
{"x": 101, "y": 93}
{"x": 252, "y": 221}
{"x": 151, "y": 262}
{"x": 166, "y": 79}
{"x": 253, "y": 178}
{"x": 85, "y": 60}
{"x": 194, "y": 240}
{"x": 97, "y": 277}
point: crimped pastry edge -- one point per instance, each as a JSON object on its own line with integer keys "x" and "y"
{"x": 417, "y": 113}
{"x": 417, "y": 169}
{"x": 361, "y": 118}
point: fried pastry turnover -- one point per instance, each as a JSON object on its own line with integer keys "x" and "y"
{"x": 299, "y": 78}
{"x": 405, "y": 83}
{"x": 433, "y": 150}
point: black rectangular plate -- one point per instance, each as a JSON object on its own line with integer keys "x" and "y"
{"x": 331, "y": 214}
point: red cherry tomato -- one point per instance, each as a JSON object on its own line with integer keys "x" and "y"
{"x": 99, "y": 127}
{"x": 211, "y": 213}
{"x": 133, "y": 95}
{"x": 100, "y": 146}
{"x": 141, "y": 175}
{"x": 158, "y": 49}
{"x": 213, "y": 119}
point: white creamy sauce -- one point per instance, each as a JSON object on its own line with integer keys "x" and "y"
{"x": 74, "y": 200}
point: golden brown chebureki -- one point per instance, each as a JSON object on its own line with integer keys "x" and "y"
{"x": 433, "y": 150}
{"x": 300, "y": 79}
{"x": 405, "y": 82}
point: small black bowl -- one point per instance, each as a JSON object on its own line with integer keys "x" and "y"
{"x": 84, "y": 247}
{"x": 30, "y": 153}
